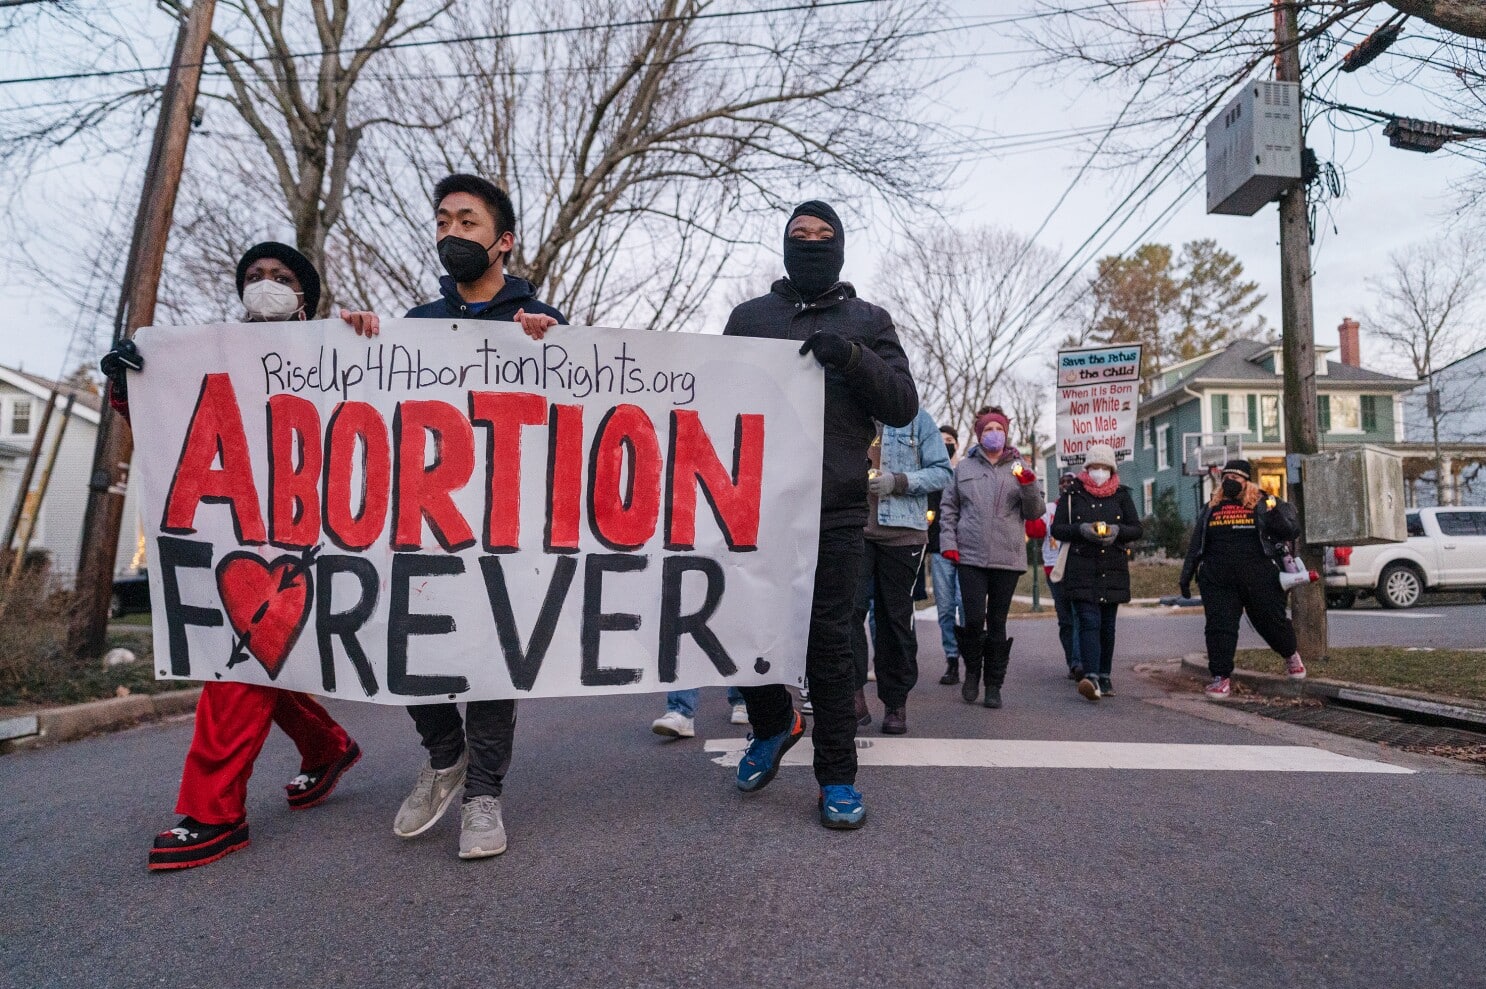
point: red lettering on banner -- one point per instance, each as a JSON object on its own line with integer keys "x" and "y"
{"x": 505, "y": 413}
{"x": 564, "y": 477}
{"x": 216, "y": 432}
{"x": 624, "y": 479}
{"x": 350, "y": 424}
{"x": 422, "y": 489}
{"x": 293, "y": 488}
{"x": 734, "y": 496}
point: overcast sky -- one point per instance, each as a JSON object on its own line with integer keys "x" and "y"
{"x": 1394, "y": 198}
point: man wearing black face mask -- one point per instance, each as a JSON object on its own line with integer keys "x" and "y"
{"x": 867, "y": 379}
{"x": 475, "y": 223}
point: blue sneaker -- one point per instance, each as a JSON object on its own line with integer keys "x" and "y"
{"x": 841, "y": 807}
{"x": 761, "y": 762}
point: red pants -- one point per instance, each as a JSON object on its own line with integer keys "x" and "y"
{"x": 232, "y": 721}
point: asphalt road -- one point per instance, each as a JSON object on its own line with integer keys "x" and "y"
{"x": 634, "y": 861}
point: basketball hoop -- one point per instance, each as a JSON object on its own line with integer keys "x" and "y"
{"x": 1204, "y": 454}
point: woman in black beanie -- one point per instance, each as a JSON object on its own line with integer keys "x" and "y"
{"x": 1237, "y": 544}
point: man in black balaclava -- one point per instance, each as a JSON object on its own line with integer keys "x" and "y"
{"x": 867, "y": 379}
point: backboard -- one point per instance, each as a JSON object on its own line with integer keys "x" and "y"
{"x": 1206, "y": 453}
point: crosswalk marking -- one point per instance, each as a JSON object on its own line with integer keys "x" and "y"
{"x": 987, "y": 753}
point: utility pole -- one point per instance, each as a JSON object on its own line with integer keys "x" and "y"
{"x": 115, "y": 444}
{"x": 1307, "y": 603}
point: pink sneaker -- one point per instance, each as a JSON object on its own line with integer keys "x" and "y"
{"x": 1294, "y": 668}
{"x": 1218, "y": 688}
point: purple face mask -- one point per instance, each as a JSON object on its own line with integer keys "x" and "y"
{"x": 993, "y": 440}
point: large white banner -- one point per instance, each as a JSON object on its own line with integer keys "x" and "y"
{"x": 454, "y": 511}
{"x": 1098, "y": 397}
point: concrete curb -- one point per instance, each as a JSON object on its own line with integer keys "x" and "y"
{"x": 53, "y": 726}
{"x": 1272, "y": 684}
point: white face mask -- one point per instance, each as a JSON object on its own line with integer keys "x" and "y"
{"x": 268, "y": 299}
{"x": 1100, "y": 476}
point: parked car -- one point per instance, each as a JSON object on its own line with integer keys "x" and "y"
{"x": 1445, "y": 551}
{"x": 131, "y": 595}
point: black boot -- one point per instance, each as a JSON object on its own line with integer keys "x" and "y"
{"x": 971, "y": 644}
{"x": 998, "y": 655}
{"x": 952, "y": 672}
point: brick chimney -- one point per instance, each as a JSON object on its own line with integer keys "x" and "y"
{"x": 1351, "y": 343}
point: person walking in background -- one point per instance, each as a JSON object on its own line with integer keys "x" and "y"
{"x": 1051, "y": 549}
{"x": 942, "y": 570}
{"x": 1098, "y": 520}
{"x": 905, "y": 464}
{"x": 679, "y": 721}
{"x": 982, "y": 531}
{"x": 1235, "y": 553}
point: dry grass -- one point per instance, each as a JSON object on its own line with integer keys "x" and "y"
{"x": 35, "y": 669}
{"x": 1448, "y": 672}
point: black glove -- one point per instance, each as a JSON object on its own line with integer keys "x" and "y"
{"x": 1186, "y": 590}
{"x": 832, "y": 350}
{"x": 117, "y": 363}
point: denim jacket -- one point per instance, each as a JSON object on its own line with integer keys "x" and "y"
{"x": 917, "y": 452}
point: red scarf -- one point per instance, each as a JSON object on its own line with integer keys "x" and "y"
{"x": 1100, "y": 491}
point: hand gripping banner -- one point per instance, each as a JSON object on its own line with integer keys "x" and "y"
{"x": 453, "y": 511}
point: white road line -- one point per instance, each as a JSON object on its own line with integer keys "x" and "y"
{"x": 1384, "y": 614}
{"x": 1026, "y": 754}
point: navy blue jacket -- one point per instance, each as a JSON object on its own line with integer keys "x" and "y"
{"x": 516, "y": 294}
{"x": 876, "y": 386}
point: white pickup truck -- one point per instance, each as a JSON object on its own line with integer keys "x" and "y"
{"x": 1445, "y": 551}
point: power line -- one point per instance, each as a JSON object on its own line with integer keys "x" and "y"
{"x": 544, "y": 32}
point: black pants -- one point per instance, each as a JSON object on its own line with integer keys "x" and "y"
{"x": 985, "y": 598}
{"x": 1229, "y": 590}
{"x": 488, "y": 728}
{"x": 887, "y": 579}
{"x": 1067, "y": 625}
{"x": 1096, "y": 636}
{"x": 828, "y": 665}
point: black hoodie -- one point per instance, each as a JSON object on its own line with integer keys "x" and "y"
{"x": 514, "y": 295}
{"x": 877, "y": 386}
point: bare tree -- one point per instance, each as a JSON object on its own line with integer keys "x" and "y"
{"x": 643, "y": 146}
{"x": 1428, "y": 312}
{"x": 1025, "y": 398}
{"x": 964, "y": 305}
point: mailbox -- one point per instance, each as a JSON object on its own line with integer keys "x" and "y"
{"x": 1353, "y": 497}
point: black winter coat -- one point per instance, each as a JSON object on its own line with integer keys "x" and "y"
{"x": 1276, "y": 520}
{"x": 515, "y": 295}
{"x": 877, "y": 385}
{"x": 1094, "y": 572}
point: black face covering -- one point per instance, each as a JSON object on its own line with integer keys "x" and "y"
{"x": 1232, "y": 487}
{"x": 815, "y": 265}
{"x": 951, "y": 448}
{"x": 465, "y": 260}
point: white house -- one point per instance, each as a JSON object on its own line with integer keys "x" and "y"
{"x": 1462, "y": 427}
{"x": 59, "y": 524}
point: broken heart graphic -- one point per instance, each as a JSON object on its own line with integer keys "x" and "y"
{"x": 267, "y": 604}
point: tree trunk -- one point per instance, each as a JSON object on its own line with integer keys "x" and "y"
{"x": 1467, "y": 17}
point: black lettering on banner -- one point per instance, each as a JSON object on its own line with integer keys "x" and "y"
{"x": 401, "y": 624}
{"x": 595, "y": 621}
{"x": 344, "y": 625}
{"x": 177, "y": 553}
{"x": 525, "y": 665}
{"x": 673, "y": 624}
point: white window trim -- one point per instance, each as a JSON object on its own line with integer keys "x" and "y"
{"x": 10, "y": 405}
{"x": 1237, "y": 400}
{"x": 1279, "y": 408}
{"x": 1163, "y": 462}
{"x": 1148, "y": 495}
{"x": 1145, "y": 434}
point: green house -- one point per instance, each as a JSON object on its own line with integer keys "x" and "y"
{"x": 1233, "y": 397}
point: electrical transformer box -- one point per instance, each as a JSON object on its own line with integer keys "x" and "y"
{"x": 1354, "y": 497}
{"x": 1254, "y": 148}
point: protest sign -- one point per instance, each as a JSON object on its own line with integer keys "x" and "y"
{"x": 1098, "y": 394}
{"x": 453, "y": 511}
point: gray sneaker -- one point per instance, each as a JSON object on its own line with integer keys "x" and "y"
{"x": 431, "y": 796}
{"x": 481, "y": 831}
